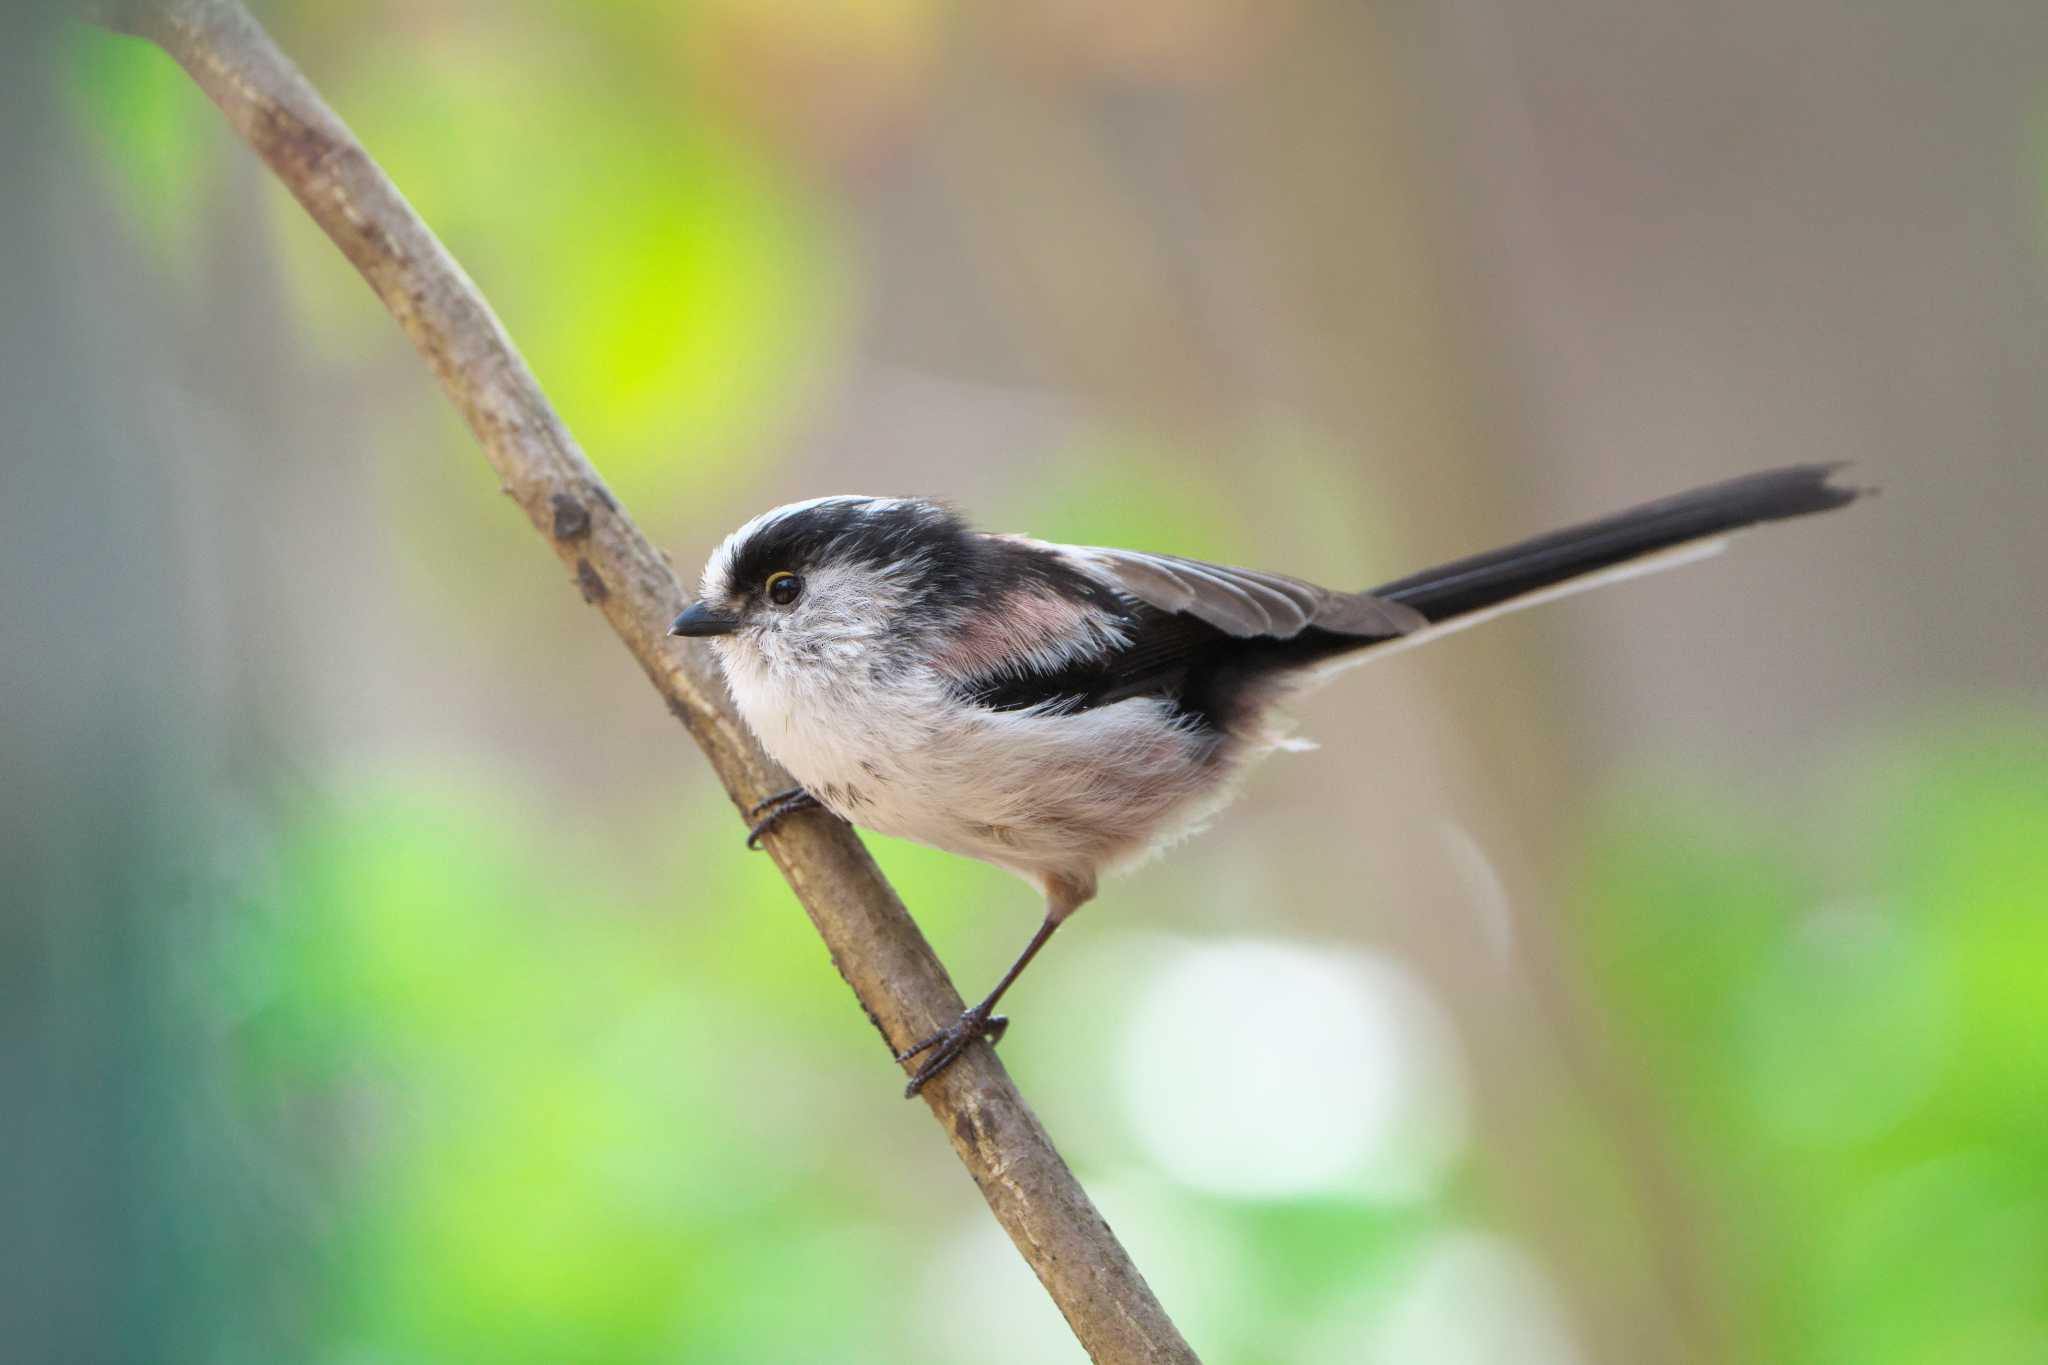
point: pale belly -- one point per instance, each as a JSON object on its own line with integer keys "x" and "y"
{"x": 1039, "y": 795}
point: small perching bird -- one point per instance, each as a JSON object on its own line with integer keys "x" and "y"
{"x": 1065, "y": 710}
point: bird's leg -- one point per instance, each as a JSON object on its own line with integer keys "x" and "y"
{"x": 981, "y": 1021}
{"x": 771, "y": 810}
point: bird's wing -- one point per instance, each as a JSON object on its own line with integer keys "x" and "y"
{"x": 1149, "y": 656}
{"x": 1127, "y": 624}
{"x": 1241, "y": 602}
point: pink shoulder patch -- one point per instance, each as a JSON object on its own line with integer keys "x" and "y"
{"x": 1023, "y": 629}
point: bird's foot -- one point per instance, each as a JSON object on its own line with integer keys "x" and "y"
{"x": 949, "y": 1042}
{"x": 770, "y": 812}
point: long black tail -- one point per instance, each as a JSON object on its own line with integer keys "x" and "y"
{"x": 1544, "y": 566}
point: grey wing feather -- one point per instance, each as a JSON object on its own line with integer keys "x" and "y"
{"x": 1243, "y": 602}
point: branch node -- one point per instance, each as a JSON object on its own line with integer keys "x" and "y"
{"x": 572, "y": 518}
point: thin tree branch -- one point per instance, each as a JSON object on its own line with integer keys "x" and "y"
{"x": 873, "y": 942}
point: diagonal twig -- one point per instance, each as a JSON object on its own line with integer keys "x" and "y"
{"x": 873, "y": 942}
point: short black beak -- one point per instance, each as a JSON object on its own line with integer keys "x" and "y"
{"x": 698, "y": 619}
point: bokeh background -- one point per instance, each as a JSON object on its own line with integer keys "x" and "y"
{"x": 1657, "y": 977}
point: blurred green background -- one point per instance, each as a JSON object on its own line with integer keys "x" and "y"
{"x": 1662, "y": 976}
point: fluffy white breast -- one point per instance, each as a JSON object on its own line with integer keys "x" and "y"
{"x": 1045, "y": 795}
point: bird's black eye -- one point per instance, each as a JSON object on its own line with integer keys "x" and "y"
{"x": 784, "y": 588}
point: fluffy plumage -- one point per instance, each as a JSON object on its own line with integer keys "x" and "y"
{"x": 1050, "y": 709}
{"x": 1063, "y": 710}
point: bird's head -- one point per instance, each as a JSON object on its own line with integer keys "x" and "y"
{"x": 834, "y": 584}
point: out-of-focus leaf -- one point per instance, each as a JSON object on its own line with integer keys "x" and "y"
{"x": 1943, "y": 1263}
{"x": 540, "y": 1144}
{"x": 668, "y": 285}
{"x": 1858, "y": 1077}
{"x": 155, "y": 131}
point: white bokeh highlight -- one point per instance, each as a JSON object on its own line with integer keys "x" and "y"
{"x": 1462, "y": 1298}
{"x": 1260, "y": 1069}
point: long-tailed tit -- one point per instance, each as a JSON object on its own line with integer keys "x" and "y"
{"x": 1063, "y": 710}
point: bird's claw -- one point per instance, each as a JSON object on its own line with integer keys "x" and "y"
{"x": 772, "y": 809}
{"x": 949, "y": 1042}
